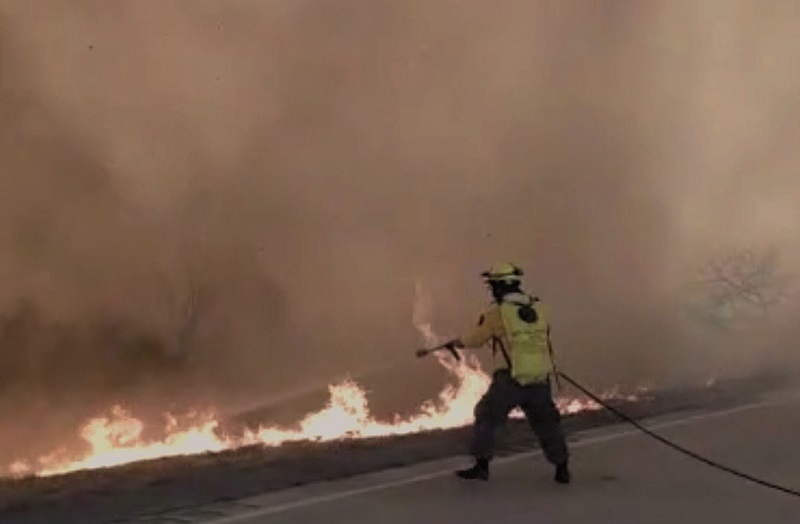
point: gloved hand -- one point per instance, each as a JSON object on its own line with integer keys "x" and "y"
{"x": 453, "y": 344}
{"x": 449, "y": 346}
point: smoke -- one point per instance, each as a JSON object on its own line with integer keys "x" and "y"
{"x": 220, "y": 200}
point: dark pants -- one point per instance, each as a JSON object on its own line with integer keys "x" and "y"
{"x": 535, "y": 400}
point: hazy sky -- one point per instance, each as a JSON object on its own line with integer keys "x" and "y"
{"x": 306, "y": 163}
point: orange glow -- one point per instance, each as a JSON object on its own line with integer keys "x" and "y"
{"x": 116, "y": 438}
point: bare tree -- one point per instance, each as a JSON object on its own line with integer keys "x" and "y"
{"x": 745, "y": 279}
{"x": 189, "y": 315}
{"x": 185, "y": 303}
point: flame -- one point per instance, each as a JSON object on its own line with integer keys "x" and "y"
{"x": 116, "y": 438}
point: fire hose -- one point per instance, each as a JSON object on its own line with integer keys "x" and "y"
{"x": 674, "y": 446}
{"x": 640, "y": 427}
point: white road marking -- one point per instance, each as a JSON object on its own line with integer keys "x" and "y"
{"x": 312, "y": 501}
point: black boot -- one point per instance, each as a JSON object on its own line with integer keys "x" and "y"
{"x": 562, "y": 473}
{"x": 480, "y": 471}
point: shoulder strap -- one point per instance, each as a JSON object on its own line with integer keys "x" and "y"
{"x": 498, "y": 344}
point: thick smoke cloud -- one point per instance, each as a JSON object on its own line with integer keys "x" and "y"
{"x": 303, "y": 165}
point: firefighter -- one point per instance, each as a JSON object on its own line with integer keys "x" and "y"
{"x": 517, "y": 327}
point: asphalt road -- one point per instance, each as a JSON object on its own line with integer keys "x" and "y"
{"x": 620, "y": 476}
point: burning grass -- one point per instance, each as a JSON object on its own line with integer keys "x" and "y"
{"x": 116, "y": 437}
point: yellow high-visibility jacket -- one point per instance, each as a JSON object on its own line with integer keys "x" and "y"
{"x": 520, "y": 335}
